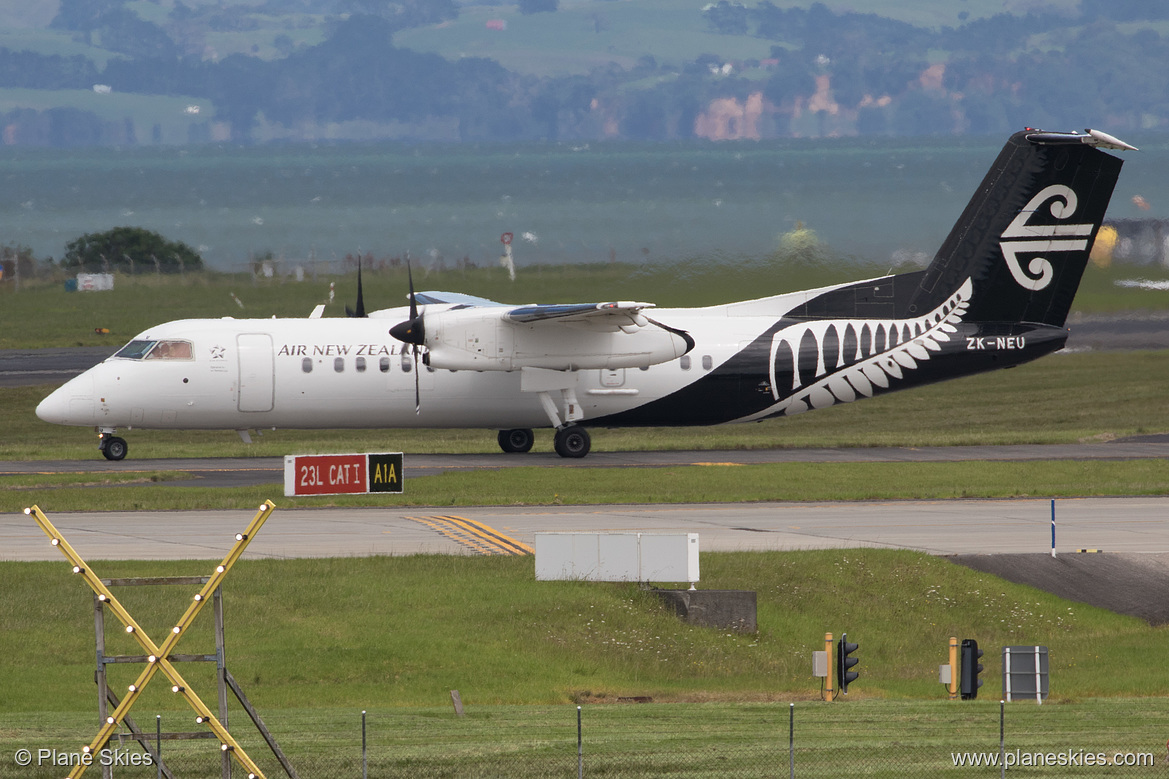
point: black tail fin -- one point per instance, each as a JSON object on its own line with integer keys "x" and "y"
{"x": 1025, "y": 236}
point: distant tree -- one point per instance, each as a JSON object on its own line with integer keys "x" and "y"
{"x": 124, "y": 247}
{"x": 123, "y": 31}
{"x": 790, "y": 79}
{"x": 74, "y": 127}
{"x": 83, "y": 15}
{"x": 31, "y": 70}
{"x": 727, "y": 18}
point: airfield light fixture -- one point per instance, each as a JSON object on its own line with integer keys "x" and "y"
{"x": 844, "y": 662}
{"x": 971, "y": 668}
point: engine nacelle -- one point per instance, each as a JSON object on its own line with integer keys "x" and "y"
{"x": 481, "y": 340}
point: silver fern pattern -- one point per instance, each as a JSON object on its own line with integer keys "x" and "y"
{"x": 856, "y": 357}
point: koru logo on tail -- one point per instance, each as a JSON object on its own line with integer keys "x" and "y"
{"x": 1023, "y": 238}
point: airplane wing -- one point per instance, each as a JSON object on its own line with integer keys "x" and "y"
{"x": 622, "y": 315}
{"x": 456, "y": 298}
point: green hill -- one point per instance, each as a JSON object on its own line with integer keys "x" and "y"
{"x": 578, "y": 69}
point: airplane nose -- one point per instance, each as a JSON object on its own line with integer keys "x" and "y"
{"x": 70, "y": 404}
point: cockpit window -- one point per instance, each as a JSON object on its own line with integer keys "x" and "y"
{"x": 171, "y": 350}
{"x": 157, "y": 350}
{"x": 135, "y": 350}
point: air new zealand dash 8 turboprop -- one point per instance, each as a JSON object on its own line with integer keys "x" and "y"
{"x": 996, "y": 295}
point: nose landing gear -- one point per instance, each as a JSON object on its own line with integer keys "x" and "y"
{"x": 111, "y": 446}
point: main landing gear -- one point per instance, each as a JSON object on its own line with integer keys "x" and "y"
{"x": 570, "y": 441}
{"x": 516, "y": 441}
{"x": 112, "y": 446}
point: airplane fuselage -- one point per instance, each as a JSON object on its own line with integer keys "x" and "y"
{"x": 350, "y": 373}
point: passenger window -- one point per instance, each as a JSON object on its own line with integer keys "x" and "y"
{"x": 707, "y": 362}
{"x": 339, "y": 364}
{"x": 407, "y": 363}
{"x": 383, "y": 365}
{"x": 306, "y": 365}
{"x": 359, "y": 365}
{"x": 684, "y": 362}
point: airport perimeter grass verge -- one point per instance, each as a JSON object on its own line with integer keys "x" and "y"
{"x": 402, "y": 631}
{"x": 882, "y": 738}
{"x": 316, "y": 642}
{"x": 673, "y": 484}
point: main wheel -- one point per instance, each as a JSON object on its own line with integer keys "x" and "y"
{"x": 114, "y": 448}
{"x": 516, "y": 441}
{"x": 572, "y": 441}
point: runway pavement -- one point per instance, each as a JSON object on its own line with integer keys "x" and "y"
{"x": 1132, "y": 525}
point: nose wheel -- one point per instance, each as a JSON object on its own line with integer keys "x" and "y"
{"x": 113, "y": 447}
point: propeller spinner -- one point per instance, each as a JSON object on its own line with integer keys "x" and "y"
{"x": 413, "y": 330}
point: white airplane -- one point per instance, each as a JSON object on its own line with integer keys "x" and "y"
{"x": 996, "y": 295}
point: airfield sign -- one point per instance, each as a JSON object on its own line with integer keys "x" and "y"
{"x": 342, "y": 474}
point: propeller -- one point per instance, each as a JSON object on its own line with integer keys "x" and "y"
{"x": 360, "y": 312}
{"x": 413, "y": 332}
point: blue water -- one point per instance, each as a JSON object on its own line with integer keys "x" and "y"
{"x": 879, "y": 201}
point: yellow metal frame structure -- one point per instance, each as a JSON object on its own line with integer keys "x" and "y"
{"x": 952, "y": 688}
{"x": 828, "y": 690}
{"x": 157, "y": 655}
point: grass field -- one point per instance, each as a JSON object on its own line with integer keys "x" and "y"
{"x": 874, "y": 738}
{"x": 402, "y": 631}
{"x": 595, "y": 485}
{"x": 316, "y": 642}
